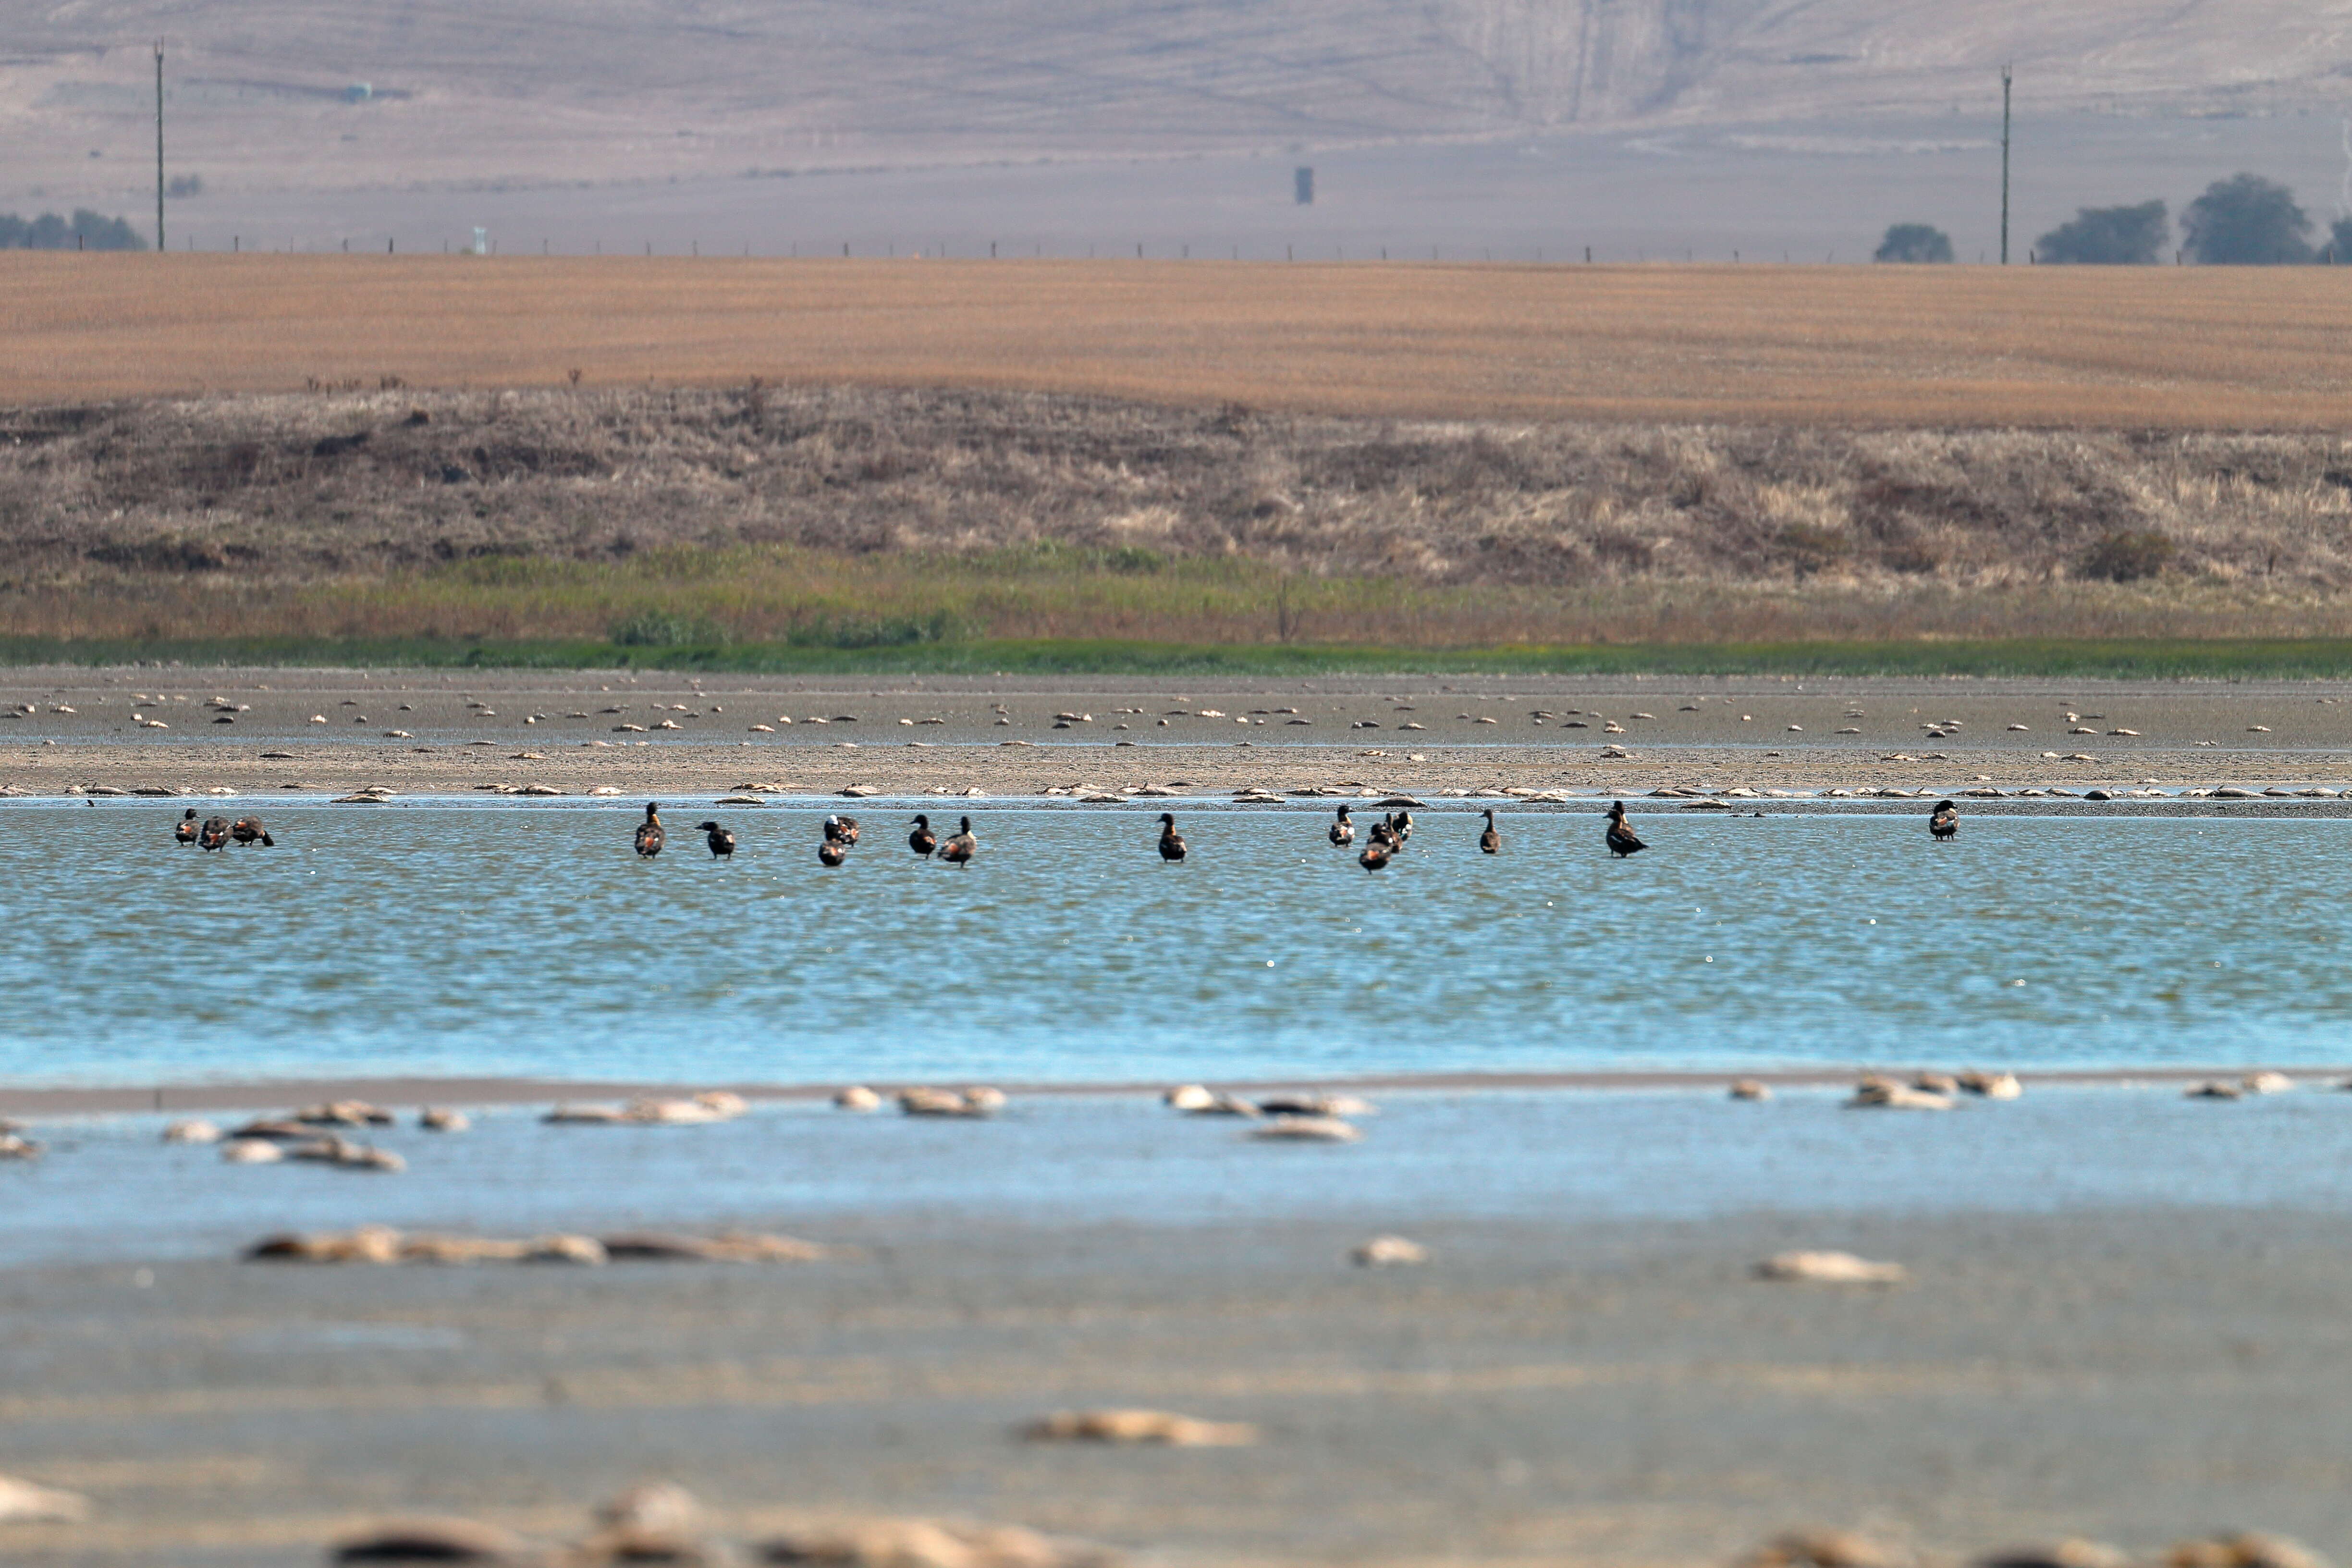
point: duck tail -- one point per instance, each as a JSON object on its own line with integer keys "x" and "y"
{"x": 268, "y": 842}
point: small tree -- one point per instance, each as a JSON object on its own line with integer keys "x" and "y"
{"x": 2110, "y": 237}
{"x": 1914, "y": 242}
{"x": 2246, "y": 221}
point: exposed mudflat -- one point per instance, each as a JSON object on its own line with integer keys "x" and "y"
{"x": 650, "y": 733}
{"x": 1554, "y": 1390}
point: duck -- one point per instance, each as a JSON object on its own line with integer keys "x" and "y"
{"x": 1401, "y": 827}
{"x": 1377, "y": 854}
{"x": 720, "y": 839}
{"x": 922, "y": 841}
{"x": 1383, "y": 832}
{"x": 1343, "y": 831}
{"x": 1944, "y": 822}
{"x": 842, "y": 827}
{"x": 960, "y": 847}
{"x": 1490, "y": 842}
{"x": 248, "y": 830}
{"x": 1622, "y": 840}
{"x": 185, "y": 830}
{"x": 831, "y": 851}
{"x": 213, "y": 834}
{"x": 650, "y": 836}
{"x": 1172, "y": 843}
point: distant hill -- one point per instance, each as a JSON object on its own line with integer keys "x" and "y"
{"x": 336, "y": 94}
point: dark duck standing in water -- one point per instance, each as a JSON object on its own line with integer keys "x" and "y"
{"x": 960, "y": 847}
{"x": 1944, "y": 822}
{"x": 843, "y": 828}
{"x": 922, "y": 841}
{"x": 831, "y": 851}
{"x": 1490, "y": 842}
{"x": 1343, "y": 831}
{"x": 720, "y": 839}
{"x": 650, "y": 837}
{"x": 213, "y": 834}
{"x": 248, "y": 830}
{"x": 185, "y": 830}
{"x": 1172, "y": 843}
{"x": 1378, "y": 852}
{"x": 1622, "y": 840}
{"x": 1401, "y": 828}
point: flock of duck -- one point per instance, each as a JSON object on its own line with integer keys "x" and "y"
{"x": 216, "y": 832}
{"x": 1382, "y": 841}
{"x": 839, "y": 834}
{"x": 838, "y": 837}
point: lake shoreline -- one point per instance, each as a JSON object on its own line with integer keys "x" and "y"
{"x": 995, "y": 740}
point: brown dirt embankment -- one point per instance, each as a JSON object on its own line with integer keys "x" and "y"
{"x": 764, "y": 513}
{"x": 312, "y": 484}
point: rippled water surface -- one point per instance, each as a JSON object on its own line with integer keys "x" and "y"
{"x": 108, "y": 1188}
{"x": 461, "y": 937}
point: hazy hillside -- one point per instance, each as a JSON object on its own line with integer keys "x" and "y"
{"x": 527, "y": 91}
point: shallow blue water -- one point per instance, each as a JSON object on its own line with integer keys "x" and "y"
{"x": 470, "y": 938}
{"x": 108, "y": 1189}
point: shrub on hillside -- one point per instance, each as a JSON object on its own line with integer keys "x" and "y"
{"x": 1811, "y": 547}
{"x": 2128, "y": 554}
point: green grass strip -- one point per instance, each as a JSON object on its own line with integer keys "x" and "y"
{"x": 2152, "y": 659}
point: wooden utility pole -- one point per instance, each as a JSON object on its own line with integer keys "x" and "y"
{"x": 2004, "y": 165}
{"x": 158, "y": 146}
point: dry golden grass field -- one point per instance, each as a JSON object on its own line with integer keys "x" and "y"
{"x": 1857, "y": 346}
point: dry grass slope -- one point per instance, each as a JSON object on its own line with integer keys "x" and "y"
{"x": 846, "y": 514}
{"x": 2184, "y": 349}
